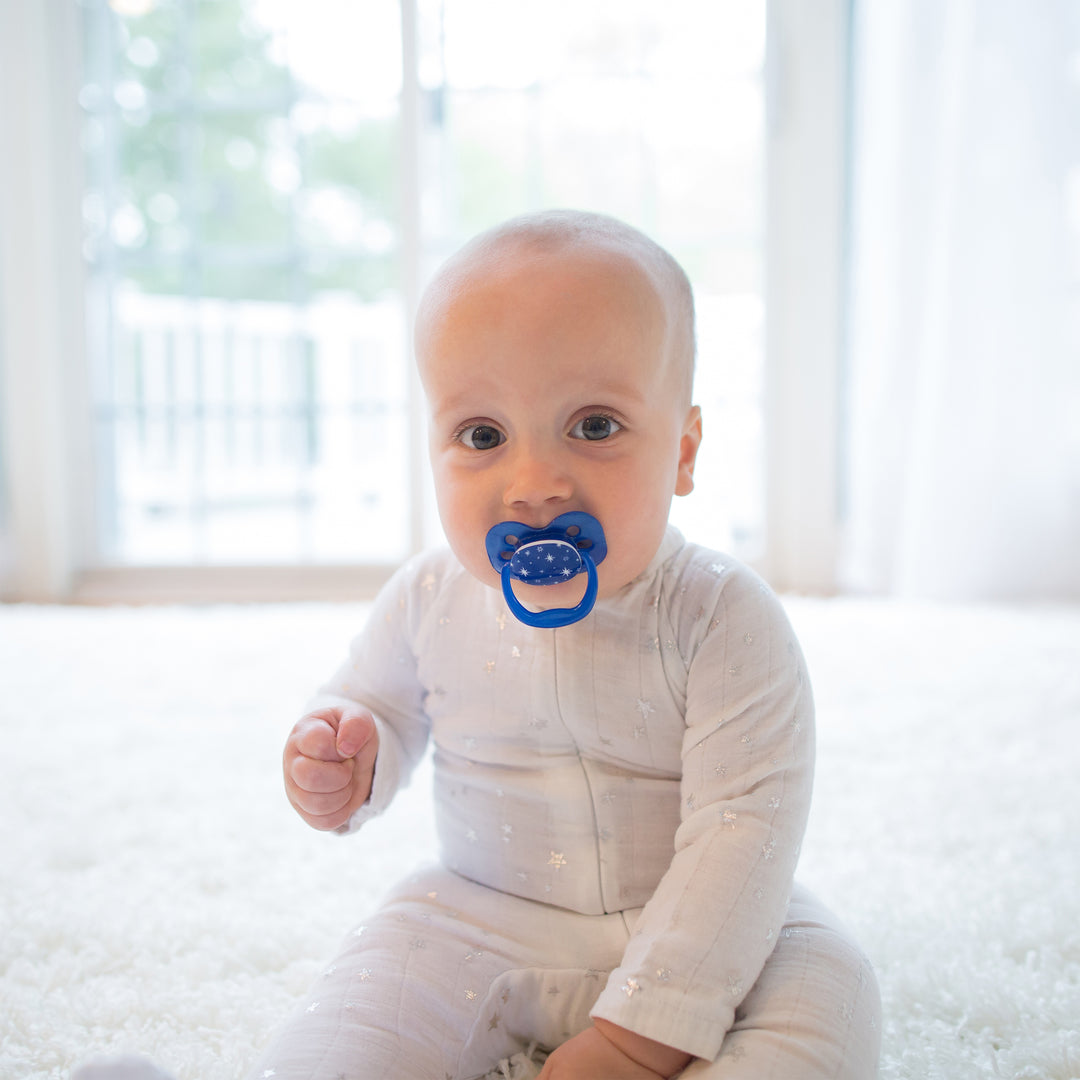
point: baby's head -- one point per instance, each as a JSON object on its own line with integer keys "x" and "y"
{"x": 557, "y": 353}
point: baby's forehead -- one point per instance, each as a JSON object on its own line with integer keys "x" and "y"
{"x": 580, "y": 269}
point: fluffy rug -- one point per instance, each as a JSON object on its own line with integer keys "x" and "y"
{"x": 158, "y": 896}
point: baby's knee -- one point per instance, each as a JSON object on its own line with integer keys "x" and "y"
{"x": 815, "y": 1011}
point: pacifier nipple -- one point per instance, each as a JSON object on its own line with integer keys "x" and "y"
{"x": 570, "y": 544}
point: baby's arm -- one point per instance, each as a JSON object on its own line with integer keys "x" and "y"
{"x": 329, "y": 762}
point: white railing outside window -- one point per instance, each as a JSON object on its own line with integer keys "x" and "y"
{"x": 256, "y": 432}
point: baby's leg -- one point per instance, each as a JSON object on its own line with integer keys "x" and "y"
{"x": 444, "y": 981}
{"x": 813, "y": 1014}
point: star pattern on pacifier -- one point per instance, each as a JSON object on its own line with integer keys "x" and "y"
{"x": 572, "y": 543}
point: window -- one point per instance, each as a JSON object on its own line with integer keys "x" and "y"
{"x": 249, "y": 265}
{"x": 264, "y": 187}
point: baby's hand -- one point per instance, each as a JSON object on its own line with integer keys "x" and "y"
{"x": 329, "y": 761}
{"x": 590, "y": 1056}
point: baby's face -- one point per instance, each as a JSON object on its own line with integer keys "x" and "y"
{"x": 550, "y": 390}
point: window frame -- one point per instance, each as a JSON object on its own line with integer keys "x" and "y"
{"x": 45, "y": 403}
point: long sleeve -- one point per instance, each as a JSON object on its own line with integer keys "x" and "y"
{"x": 747, "y": 759}
{"x": 380, "y": 675}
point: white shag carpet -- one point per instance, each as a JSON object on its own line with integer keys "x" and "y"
{"x": 158, "y": 896}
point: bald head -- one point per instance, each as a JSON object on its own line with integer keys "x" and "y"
{"x": 533, "y": 239}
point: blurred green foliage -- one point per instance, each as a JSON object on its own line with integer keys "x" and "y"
{"x": 211, "y": 172}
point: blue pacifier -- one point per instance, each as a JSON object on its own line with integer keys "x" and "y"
{"x": 563, "y": 548}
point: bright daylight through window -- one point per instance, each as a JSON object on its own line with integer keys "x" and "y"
{"x": 268, "y": 181}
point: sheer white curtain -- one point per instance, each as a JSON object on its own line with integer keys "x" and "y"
{"x": 963, "y": 438}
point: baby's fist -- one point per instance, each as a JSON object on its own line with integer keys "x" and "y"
{"x": 329, "y": 762}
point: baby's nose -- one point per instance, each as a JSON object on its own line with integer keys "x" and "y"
{"x": 535, "y": 480}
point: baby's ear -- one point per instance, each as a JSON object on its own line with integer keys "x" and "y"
{"x": 688, "y": 448}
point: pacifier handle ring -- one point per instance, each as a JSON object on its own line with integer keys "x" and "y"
{"x": 553, "y": 618}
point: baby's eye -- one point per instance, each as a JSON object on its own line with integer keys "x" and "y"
{"x": 481, "y": 436}
{"x": 595, "y": 428}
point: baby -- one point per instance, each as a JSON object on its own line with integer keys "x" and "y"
{"x": 621, "y": 793}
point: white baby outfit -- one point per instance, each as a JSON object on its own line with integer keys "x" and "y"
{"x": 619, "y": 805}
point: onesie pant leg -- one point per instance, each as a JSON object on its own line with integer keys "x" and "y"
{"x": 813, "y": 1014}
{"x": 446, "y": 979}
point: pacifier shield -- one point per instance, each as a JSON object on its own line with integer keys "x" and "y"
{"x": 572, "y": 543}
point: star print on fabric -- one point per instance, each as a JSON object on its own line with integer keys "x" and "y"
{"x": 489, "y": 666}
{"x": 365, "y": 974}
{"x": 428, "y": 582}
{"x": 493, "y": 1023}
{"x": 470, "y": 995}
{"x": 504, "y": 997}
{"x": 515, "y": 652}
{"x": 645, "y": 707}
{"x": 557, "y": 859}
{"x": 663, "y": 974}
{"x": 501, "y": 620}
{"x": 728, "y": 817}
{"x": 630, "y": 987}
{"x": 313, "y": 1006}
